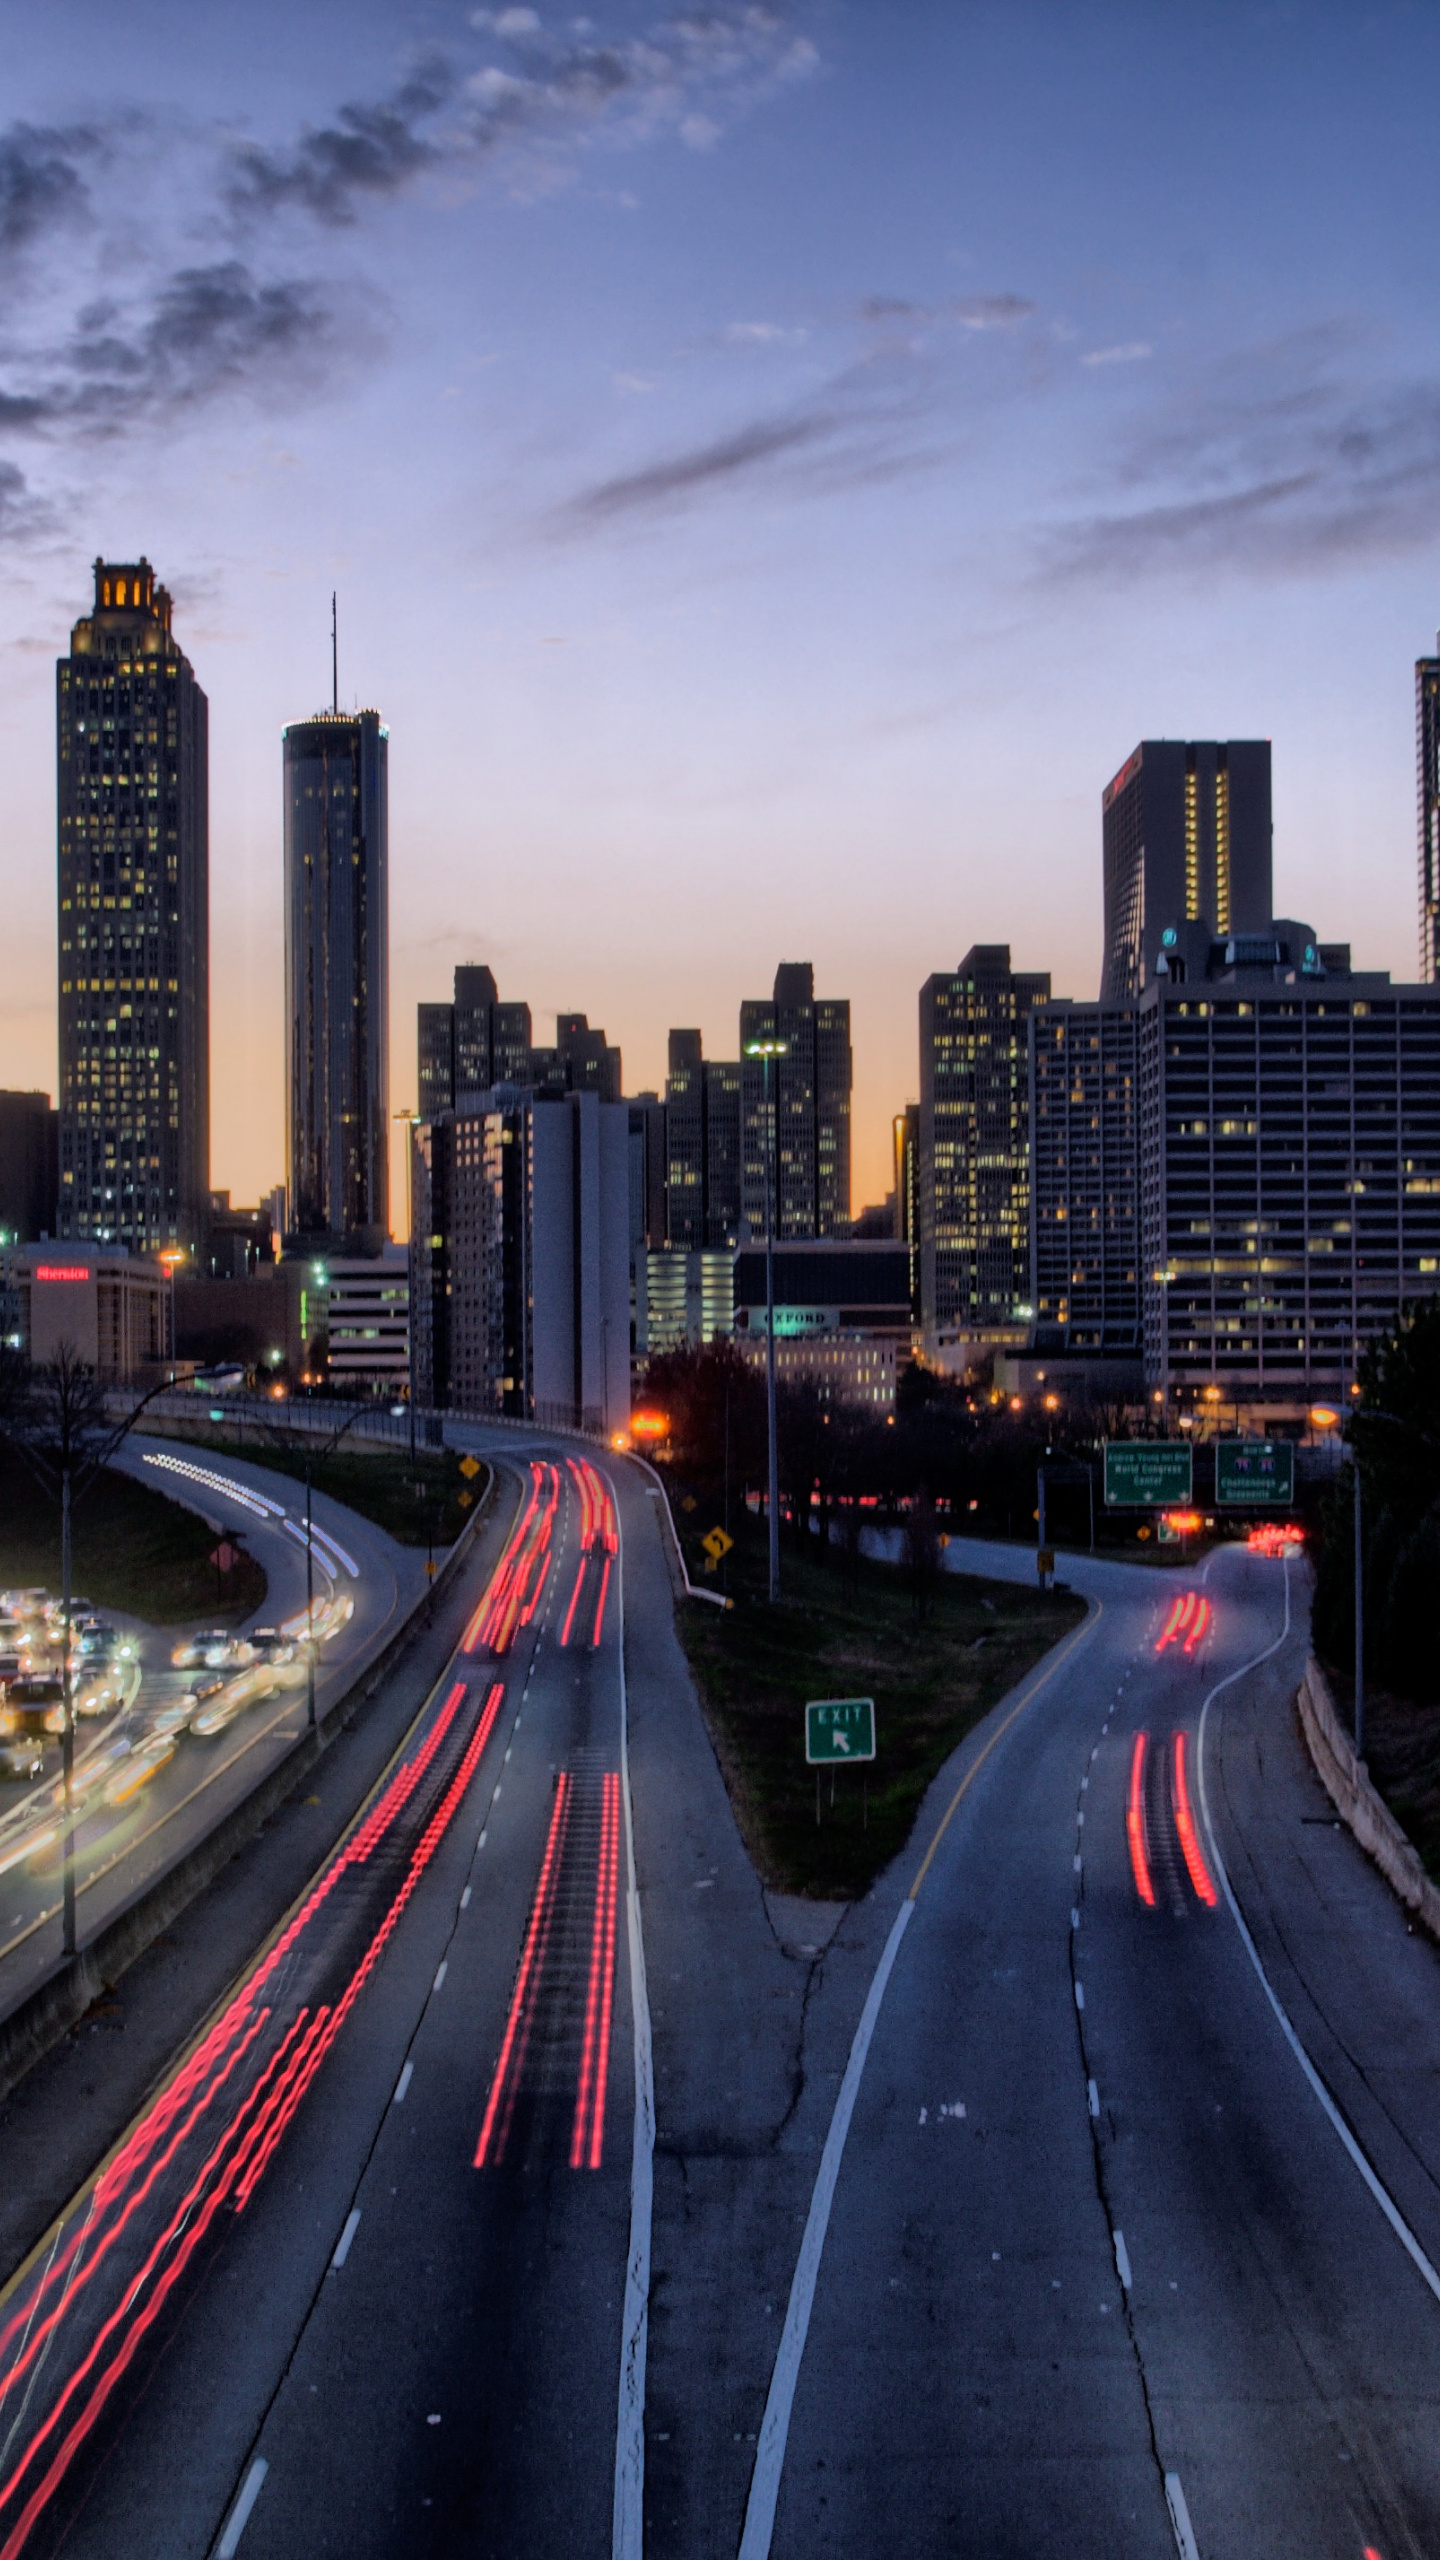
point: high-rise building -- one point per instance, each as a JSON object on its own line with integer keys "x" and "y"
{"x": 1427, "y": 758}
{"x": 337, "y": 976}
{"x": 974, "y": 1144}
{"x": 807, "y": 1118}
{"x": 702, "y": 1138}
{"x": 470, "y": 1045}
{"x": 29, "y": 1167}
{"x": 1186, "y": 836}
{"x": 1085, "y": 1177}
{"x": 134, "y": 929}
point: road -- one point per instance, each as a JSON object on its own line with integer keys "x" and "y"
{"x": 123, "y": 1838}
{"x": 372, "y": 2234}
{"x": 1095, "y": 2271}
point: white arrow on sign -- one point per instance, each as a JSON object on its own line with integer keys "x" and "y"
{"x": 841, "y": 1741}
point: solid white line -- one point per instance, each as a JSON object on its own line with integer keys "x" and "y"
{"x": 1122, "y": 2258}
{"x": 627, "y": 2533}
{"x": 402, "y": 2084}
{"x": 342, "y": 2245}
{"x": 240, "y": 2512}
{"x": 1093, "y": 2096}
{"x": 441, "y": 1970}
{"x": 1385, "y": 2201}
{"x": 775, "y": 2426}
{"x": 1180, "y": 2517}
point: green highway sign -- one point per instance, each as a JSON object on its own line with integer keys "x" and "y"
{"x": 1144, "y": 1475}
{"x": 1255, "y": 1471}
{"x": 840, "y": 1729}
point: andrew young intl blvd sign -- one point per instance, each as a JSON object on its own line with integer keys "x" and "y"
{"x": 1148, "y": 1475}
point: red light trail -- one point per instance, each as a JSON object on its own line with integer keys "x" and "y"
{"x": 599, "y": 1543}
{"x": 1135, "y": 1823}
{"x": 588, "y": 2136}
{"x": 519, "y": 1578}
{"x": 490, "y": 2149}
{"x": 1184, "y": 1823}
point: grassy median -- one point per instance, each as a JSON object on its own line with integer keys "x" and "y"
{"x": 932, "y": 1677}
{"x": 132, "y": 1550}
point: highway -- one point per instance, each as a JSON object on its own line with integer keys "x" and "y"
{"x": 145, "y": 1793}
{"x": 1129, "y": 2245}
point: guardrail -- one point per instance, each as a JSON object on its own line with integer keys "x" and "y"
{"x": 1347, "y": 1782}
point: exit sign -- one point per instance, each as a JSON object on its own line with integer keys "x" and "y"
{"x": 839, "y": 1729}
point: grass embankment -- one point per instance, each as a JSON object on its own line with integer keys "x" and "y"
{"x": 931, "y": 1678}
{"x": 1402, "y": 1754}
{"x": 132, "y": 1550}
{"x": 419, "y": 1501}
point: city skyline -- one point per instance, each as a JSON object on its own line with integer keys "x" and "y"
{"x": 797, "y": 509}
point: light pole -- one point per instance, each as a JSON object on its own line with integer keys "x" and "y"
{"x": 411, "y": 1120}
{"x": 768, "y": 1049}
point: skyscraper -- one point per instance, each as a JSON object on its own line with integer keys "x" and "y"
{"x": 470, "y": 1045}
{"x": 1427, "y": 757}
{"x": 134, "y": 930}
{"x": 702, "y": 1136}
{"x": 1186, "y": 836}
{"x": 337, "y": 976}
{"x": 975, "y": 1143}
{"x": 810, "y": 1099}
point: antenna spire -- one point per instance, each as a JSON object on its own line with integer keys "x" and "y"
{"x": 334, "y": 656}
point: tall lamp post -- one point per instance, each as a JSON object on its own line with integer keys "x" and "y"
{"x": 768, "y": 1049}
{"x": 311, "y": 1454}
{"x": 411, "y": 1120}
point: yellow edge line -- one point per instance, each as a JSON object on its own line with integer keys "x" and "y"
{"x": 977, "y": 1764}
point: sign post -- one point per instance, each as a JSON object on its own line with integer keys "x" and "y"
{"x": 1255, "y": 1472}
{"x": 1148, "y": 1475}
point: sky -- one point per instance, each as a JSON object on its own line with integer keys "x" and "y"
{"x": 775, "y": 461}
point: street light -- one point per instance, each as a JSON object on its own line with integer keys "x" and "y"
{"x": 768, "y": 1049}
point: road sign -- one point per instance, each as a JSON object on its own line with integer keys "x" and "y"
{"x": 469, "y": 1466}
{"x": 430, "y": 1568}
{"x": 1044, "y": 1561}
{"x": 465, "y": 1500}
{"x": 718, "y": 1544}
{"x": 224, "y": 1556}
{"x": 1141, "y": 1475}
{"x": 1258, "y": 1471}
{"x": 840, "y": 1729}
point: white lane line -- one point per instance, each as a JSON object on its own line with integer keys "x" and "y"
{"x": 1180, "y": 2517}
{"x": 342, "y": 2245}
{"x": 440, "y": 1972}
{"x": 627, "y": 2531}
{"x": 1093, "y": 2095}
{"x": 240, "y": 2512}
{"x": 1079, "y": 1995}
{"x": 465, "y": 1899}
{"x": 402, "y": 2084}
{"x": 775, "y": 2426}
{"x": 1381, "y": 2194}
{"x": 1122, "y": 2258}
{"x": 480, "y": 1843}
{"x": 1077, "y": 1863}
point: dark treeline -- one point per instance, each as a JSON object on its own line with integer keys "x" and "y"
{"x": 1395, "y": 1432}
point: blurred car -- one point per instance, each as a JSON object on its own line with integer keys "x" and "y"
{"x": 245, "y": 1690}
{"x": 21, "y": 1760}
{"x": 11, "y": 1666}
{"x": 139, "y": 1766}
{"x": 272, "y": 1644}
{"x": 99, "y": 1692}
{"x": 24, "y": 1604}
{"x": 212, "y": 1649}
{"x": 33, "y": 1705}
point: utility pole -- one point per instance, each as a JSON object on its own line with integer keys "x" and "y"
{"x": 768, "y": 1049}
{"x": 412, "y": 1123}
{"x": 1359, "y": 1609}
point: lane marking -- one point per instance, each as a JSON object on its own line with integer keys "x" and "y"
{"x": 627, "y": 2535}
{"x": 1079, "y": 1995}
{"x": 775, "y": 2426}
{"x": 1381, "y": 2194}
{"x": 440, "y": 1972}
{"x": 402, "y": 2084}
{"x": 465, "y": 1899}
{"x": 1070, "y": 1645}
{"x": 1180, "y": 2517}
{"x": 1093, "y": 2096}
{"x": 780, "y": 2400}
{"x": 241, "y": 2511}
{"x": 342, "y": 2248}
{"x": 1122, "y": 2258}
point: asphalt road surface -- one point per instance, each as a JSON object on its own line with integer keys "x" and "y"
{"x": 127, "y": 1836}
{"x": 1129, "y": 2246}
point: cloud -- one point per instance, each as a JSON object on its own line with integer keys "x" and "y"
{"x": 762, "y": 333}
{"x": 366, "y": 151}
{"x": 683, "y": 475}
{"x": 967, "y": 311}
{"x": 22, "y": 513}
{"x": 41, "y": 188}
{"x": 1133, "y": 353}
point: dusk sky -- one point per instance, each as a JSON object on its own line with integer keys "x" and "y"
{"x": 775, "y": 463}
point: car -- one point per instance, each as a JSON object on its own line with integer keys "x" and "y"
{"x": 211, "y": 1649}
{"x": 271, "y": 1644}
{"x": 245, "y": 1690}
{"x": 22, "y": 1760}
{"x": 33, "y": 1705}
{"x": 99, "y": 1693}
{"x": 139, "y": 1766}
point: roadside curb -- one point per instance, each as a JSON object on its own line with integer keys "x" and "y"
{"x": 1346, "y": 1781}
{"x": 56, "y": 2005}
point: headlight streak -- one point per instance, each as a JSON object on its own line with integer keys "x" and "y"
{"x": 56, "y": 2293}
{"x": 257, "y": 1503}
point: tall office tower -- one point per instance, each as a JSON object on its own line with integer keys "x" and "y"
{"x": 1186, "y": 836}
{"x": 29, "y": 1167}
{"x": 471, "y": 1044}
{"x": 134, "y": 924}
{"x": 1085, "y": 1177}
{"x": 974, "y": 1144}
{"x": 1427, "y": 756}
{"x": 809, "y": 1091}
{"x": 702, "y": 1139}
{"x": 337, "y": 966}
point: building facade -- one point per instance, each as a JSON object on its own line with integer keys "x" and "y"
{"x": 367, "y": 1321}
{"x": 683, "y": 1297}
{"x": 1427, "y": 794}
{"x": 337, "y": 976}
{"x": 134, "y": 926}
{"x": 806, "y": 1117}
{"x": 974, "y": 1155}
{"x": 1085, "y": 1178}
{"x": 471, "y": 1044}
{"x": 29, "y": 1167}
{"x": 703, "y": 1147}
{"x": 520, "y": 1274}
{"x": 110, "y": 1309}
{"x": 1290, "y": 1167}
{"x": 1186, "y": 835}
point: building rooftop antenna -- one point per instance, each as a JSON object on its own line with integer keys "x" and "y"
{"x": 334, "y": 657}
